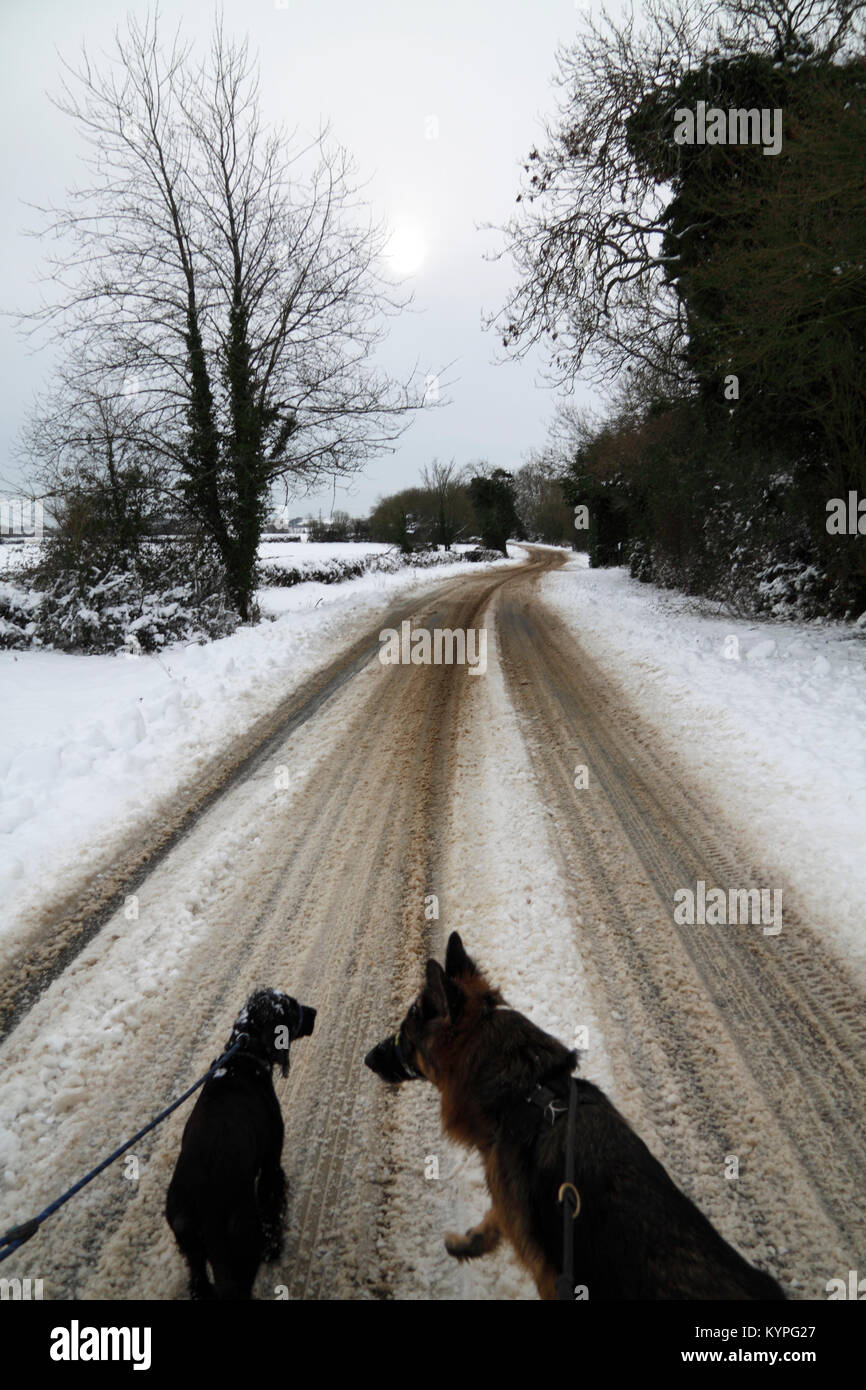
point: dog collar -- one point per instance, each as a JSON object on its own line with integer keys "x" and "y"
{"x": 242, "y": 1039}
{"x": 259, "y": 1061}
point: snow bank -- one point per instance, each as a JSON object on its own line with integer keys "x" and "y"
{"x": 771, "y": 717}
{"x": 92, "y": 744}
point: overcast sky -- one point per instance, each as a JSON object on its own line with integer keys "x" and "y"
{"x": 386, "y": 74}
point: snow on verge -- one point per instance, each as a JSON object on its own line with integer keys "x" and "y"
{"x": 771, "y": 717}
{"x": 93, "y": 744}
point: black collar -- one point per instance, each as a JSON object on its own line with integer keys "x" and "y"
{"x": 244, "y": 1055}
{"x": 266, "y": 1066}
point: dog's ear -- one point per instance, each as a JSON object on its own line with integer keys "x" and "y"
{"x": 457, "y": 964}
{"x": 443, "y": 994}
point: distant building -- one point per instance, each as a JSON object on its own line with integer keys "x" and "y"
{"x": 280, "y": 519}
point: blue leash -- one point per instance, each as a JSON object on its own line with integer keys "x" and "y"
{"x": 17, "y": 1235}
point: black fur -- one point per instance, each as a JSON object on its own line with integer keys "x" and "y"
{"x": 226, "y": 1200}
{"x": 638, "y": 1236}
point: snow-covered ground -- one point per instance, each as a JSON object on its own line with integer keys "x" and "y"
{"x": 513, "y": 918}
{"x": 771, "y": 716}
{"x": 14, "y": 555}
{"x": 309, "y": 552}
{"x": 93, "y": 743}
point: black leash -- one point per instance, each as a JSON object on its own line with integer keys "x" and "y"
{"x": 570, "y": 1198}
{"x": 16, "y": 1237}
{"x": 551, "y": 1106}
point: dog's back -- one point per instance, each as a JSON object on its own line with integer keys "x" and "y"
{"x": 637, "y": 1236}
{"x": 211, "y": 1202}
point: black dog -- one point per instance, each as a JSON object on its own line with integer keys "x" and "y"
{"x": 504, "y": 1089}
{"x": 226, "y": 1200}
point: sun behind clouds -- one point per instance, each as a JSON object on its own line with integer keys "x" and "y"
{"x": 407, "y": 249}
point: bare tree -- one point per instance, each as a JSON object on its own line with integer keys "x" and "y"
{"x": 593, "y": 285}
{"x": 586, "y": 241}
{"x": 451, "y": 508}
{"x": 233, "y": 275}
{"x": 540, "y": 501}
{"x": 825, "y": 29}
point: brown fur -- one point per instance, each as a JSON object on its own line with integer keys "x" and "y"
{"x": 452, "y": 1063}
{"x": 637, "y": 1235}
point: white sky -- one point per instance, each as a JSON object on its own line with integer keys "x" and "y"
{"x": 377, "y": 70}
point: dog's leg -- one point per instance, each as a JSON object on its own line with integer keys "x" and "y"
{"x": 479, "y": 1240}
{"x": 545, "y": 1282}
{"x": 271, "y": 1199}
{"x": 200, "y": 1285}
{"x": 235, "y": 1251}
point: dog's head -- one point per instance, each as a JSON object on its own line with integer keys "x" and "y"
{"x": 271, "y": 1021}
{"x": 407, "y": 1054}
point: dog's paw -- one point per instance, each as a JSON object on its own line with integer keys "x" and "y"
{"x": 465, "y": 1247}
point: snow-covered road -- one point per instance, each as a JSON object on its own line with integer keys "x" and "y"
{"x": 358, "y": 824}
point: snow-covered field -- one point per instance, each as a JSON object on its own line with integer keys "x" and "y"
{"x": 308, "y": 552}
{"x": 14, "y": 556}
{"x": 771, "y": 716}
{"x": 93, "y": 743}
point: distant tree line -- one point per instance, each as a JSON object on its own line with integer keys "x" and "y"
{"x": 477, "y": 502}
{"x": 340, "y": 526}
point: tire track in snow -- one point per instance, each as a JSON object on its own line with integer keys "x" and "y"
{"x": 69, "y": 922}
{"x": 737, "y": 1043}
{"x": 321, "y": 892}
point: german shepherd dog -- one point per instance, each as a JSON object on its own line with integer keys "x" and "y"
{"x": 227, "y": 1198}
{"x": 504, "y": 1089}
